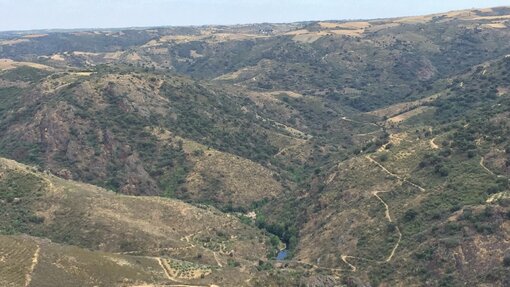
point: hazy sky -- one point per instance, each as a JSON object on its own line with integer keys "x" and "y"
{"x": 43, "y": 14}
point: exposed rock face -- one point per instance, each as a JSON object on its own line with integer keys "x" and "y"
{"x": 96, "y": 130}
{"x": 427, "y": 70}
{"x": 75, "y": 144}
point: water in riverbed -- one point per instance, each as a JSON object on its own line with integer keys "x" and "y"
{"x": 282, "y": 255}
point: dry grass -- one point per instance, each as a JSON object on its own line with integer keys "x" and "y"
{"x": 80, "y": 53}
{"x": 32, "y": 36}
{"x": 57, "y": 57}
{"x": 400, "y": 108}
{"x": 248, "y": 73}
{"x": 405, "y": 116}
{"x": 348, "y": 25}
{"x": 71, "y": 266}
{"x": 345, "y": 29}
{"x": 242, "y": 181}
{"x": 207, "y": 35}
{"x": 354, "y": 29}
{"x": 16, "y": 256}
{"x": 502, "y": 17}
{"x": 414, "y": 20}
{"x": 328, "y": 25}
{"x": 287, "y": 93}
{"x": 50, "y": 85}
{"x": 498, "y": 196}
{"x": 13, "y": 42}
{"x": 498, "y": 25}
{"x": 133, "y": 57}
{"x": 148, "y": 224}
{"x": 113, "y": 55}
{"x": 395, "y": 139}
{"x": 7, "y": 64}
{"x": 503, "y": 91}
{"x": 83, "y": 74}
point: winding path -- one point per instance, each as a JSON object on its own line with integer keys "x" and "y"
{"x": 344, "y": 259}
{"x": 388, "y": 216}
{"x": 482, "y": 160}
{"x": 217, "y": 260}
{"x": 394, "y": 175}
{"x": 35, "y": 260}
{"x": 482, "y": 164}
{"x": 393, "y": 250}
{"x": 166, "y": 268}
{"x": 499, "y": 195}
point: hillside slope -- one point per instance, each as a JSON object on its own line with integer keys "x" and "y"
{"x": 99, "y": 237}
{"x": 375, "y": 153}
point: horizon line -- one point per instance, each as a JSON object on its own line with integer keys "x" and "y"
{"x": 71, "y": 29}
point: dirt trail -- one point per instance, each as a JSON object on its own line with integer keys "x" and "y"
{"x": 331, "y": 178}
{"x": 370, "y": 133}
{"x": 484, "y": 167}
{"x": 388, "y": 216}
{"x": 166, "y": 269}
{"x": 393, "y": 250}
{"x": 394, "y": 175}
{"x": 217, "y": 260}
{"x": 433, "y": 145}
{"x": 285, "y": 149}
{"x": 188, "y": 238}
{"x": 482, "y": 164}
{"x": 344, "y": 259}
{"x": 497, "y": 196}
{"x": 333, "y": 175}
{"x": 387, "y": 212}
{"x": 35, "y": 260}
{"x": 359, "y": 122}
{"x": 156, "y": 250}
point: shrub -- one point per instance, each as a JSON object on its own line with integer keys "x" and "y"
{"x": 506, "y": 260}
{"x": 36, "y": 219}
{"x": 233, "y": 263}
{"x": 391, "y": 227}
{"x": 410, "y": 214}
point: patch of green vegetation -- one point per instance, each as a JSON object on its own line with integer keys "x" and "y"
{"x": 25, "y": 74}
{"x": 217, "y": 121}
{"x": 9, "y": 98}
{"x": 19, "y": 193}
{"x": 171, "y": 185}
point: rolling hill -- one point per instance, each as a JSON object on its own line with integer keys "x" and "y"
{"x": 376, "y": 153}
